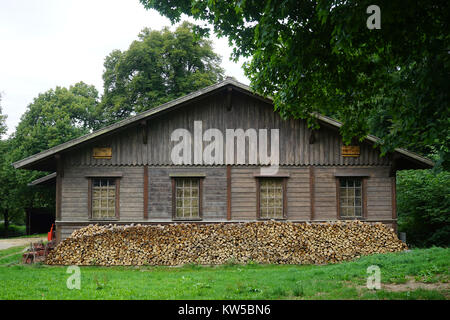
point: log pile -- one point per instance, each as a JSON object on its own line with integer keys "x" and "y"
{"x": 260, "y": 242}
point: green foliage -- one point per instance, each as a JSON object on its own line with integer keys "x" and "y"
{"x": 14, "y": 190}
{"x": 3, "y": 127}
{"x": 423, "y": 204}
{"x": 8, "y": 187}
{"x": 56, "y": 116}
{"x": 298, "y": 291}
{"x": 158, "y": 67}
{"x": 13, "y": 230}
{"x": 99, "y": 283}
{"x": 319, "y": 56}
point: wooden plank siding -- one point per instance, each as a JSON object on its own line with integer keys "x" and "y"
{"x": 146, "y": 192}
{"x": 295, "y": 149}
{"x": 229, "y": 193}
{"x": 74, "y": 206}
{"x": 243, "y": 192}
{"x": 214, "y": 195}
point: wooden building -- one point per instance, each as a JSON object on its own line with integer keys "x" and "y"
{"x": 125, "y": 173}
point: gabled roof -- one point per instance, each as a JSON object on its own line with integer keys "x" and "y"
{"x": 372, "y": 138}
{"x": 33, "y": 161}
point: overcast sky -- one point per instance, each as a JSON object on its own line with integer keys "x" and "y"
{"x": 49, "y": 43}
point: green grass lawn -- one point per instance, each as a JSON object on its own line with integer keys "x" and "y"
{"x": 251, "y": 281}
{"x": 14, "y": 251}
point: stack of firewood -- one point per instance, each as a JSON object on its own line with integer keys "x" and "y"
{"x": 260, "y": 242}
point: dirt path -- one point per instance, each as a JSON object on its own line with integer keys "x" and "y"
{"x": 413, "y": 285}
{"x": 13, "y": 242}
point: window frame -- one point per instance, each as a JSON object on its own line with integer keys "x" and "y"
{"x": 363, "y": 197}
{"x": 258, "y": 196}
{"x": 174, "y": 197}
{"x": 117, "y": 198}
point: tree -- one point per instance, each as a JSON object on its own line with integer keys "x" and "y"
{"x": 423, "y": 203}
{"x": 11, "y": 186}
{"x": 56, "y": 116}
{"x": 15, "y": 194}
{"x": 320, "y": 56}
{"x": 4, "y": 185}
{"x": 3, "y": 176}
{"x": 3, "y": 117}
{"x": 8, "y": 179}
{"x": 158, "y": 67}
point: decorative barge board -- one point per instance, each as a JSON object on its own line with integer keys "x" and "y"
{"x": 142, "y": 170}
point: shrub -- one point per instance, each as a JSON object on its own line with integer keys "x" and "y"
{"x": 423, "y": 204}
{"x": 13, "y": 230}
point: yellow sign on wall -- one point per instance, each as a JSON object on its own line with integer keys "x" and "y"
{"x": 102, "y": 153}
{"x": 350, "y": 151}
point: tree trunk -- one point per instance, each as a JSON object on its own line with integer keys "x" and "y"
{"x": 6, "y": 219}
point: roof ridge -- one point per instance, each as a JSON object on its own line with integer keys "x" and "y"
{"x": 165, "y": 106}
{"x": 140, "y": 116}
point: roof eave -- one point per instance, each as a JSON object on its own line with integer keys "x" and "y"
{"x": 46, "y": 154}
{"x": 24, "y": 163}
{"x": 409, "y": 154}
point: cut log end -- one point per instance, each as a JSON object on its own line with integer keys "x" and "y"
{"x": 268, "y": 242}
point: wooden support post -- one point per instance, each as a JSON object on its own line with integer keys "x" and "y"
{"x": 117, "y": 199}
{"x": 145, "y": 191}
{"x": 258, "y": 199}
{"x": 228, "y": 192}
{"x": 364, "y": 198}
{"x": 174, "y": 208}
{"x": 285, "y": 202}
{"x": 58, "y": 234}
{"x": 311, "y": 192}
{"x": 338, "y": 196}
{"x": 90, "y": 197}
{"x": 394, "y": 197}
{"x": 200, "y": 198}
{"x": 59, "y": 165}
{"x": 59, "y": 176}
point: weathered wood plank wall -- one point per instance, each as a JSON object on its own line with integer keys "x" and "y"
{"x": 243, "y": 188}
{"x": 214, "y": 192}
{"x": 130, "y": 154}
{"x": 298, "y": 193}
{"x": 247, "y": 112}
{"x": 74, "y": 206}
{"x": 243, "y": 193}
